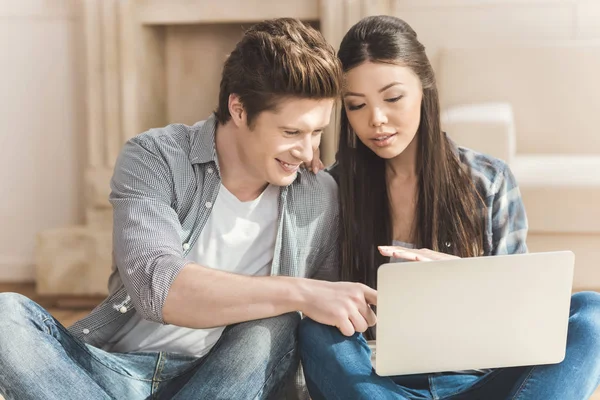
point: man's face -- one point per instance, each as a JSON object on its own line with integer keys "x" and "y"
{"x": 280, "y": 141}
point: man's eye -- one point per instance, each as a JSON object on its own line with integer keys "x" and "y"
{"x": 292, "y": 132}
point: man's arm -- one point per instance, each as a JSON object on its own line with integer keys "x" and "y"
{"x": 166, "y": 288}
{"x": 202, "y": 297}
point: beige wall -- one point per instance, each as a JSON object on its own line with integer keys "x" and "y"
{"x": 41, "y": 125}
{"x": 42, "y": 93}
{"x": 459, "y": 23}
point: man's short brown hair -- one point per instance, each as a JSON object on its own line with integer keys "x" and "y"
{"x": 275, "y": 60}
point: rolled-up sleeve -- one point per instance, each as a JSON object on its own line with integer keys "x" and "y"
{"x": 146, "y": 241}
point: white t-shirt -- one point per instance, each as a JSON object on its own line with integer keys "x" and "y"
{"x": 239, "y": 237}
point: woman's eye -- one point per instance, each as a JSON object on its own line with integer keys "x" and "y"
{"x": 394, "y": 99}
{"x": 358, "y": 107}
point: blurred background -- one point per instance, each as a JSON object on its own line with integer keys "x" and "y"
{"x": 518, "y": 79}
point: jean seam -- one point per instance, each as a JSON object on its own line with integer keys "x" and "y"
{"x": 432, "y": 387}
{"x": 48, "y": 331}
{"x": 273, "y": 371}
{"x": 93, "y": 356}
{"x": 157, "y": 372}
{"x": 522, "y": 386}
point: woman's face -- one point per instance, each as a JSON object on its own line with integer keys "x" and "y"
{"x": 383, "y": 104}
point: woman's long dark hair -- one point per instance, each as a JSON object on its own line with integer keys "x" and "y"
{"x": 448, "y": 207}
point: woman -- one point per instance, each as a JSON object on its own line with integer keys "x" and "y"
{"x": 408, "y": 192}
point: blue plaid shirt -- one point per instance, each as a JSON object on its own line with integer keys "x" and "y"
{"x": 505, "y": 217}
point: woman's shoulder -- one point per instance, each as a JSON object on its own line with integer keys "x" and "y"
{"x": 488, "y": 172}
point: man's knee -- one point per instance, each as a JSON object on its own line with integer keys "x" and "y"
{"x": 261, "y": 352}
{"x": 284, "y": 325}
{"x": 19, "y": 328}
{"x": 15, "y": 308}
{"x": 266, "y": 341}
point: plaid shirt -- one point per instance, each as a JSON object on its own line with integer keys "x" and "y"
{"x": 163, "y": 188}
{"x": 505, "y": 217}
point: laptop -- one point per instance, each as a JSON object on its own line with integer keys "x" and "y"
{"x": 473, "y": 313}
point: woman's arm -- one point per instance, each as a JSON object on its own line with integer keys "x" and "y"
{"x": 507, "y": 216}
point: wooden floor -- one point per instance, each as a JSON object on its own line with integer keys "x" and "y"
{"x": 69, "y": 310}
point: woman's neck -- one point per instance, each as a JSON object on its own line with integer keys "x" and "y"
{"x": 402, "y": 182}
{"x": 403, "y": 167}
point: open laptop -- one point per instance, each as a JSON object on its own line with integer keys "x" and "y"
{"x": 473, "y": 313}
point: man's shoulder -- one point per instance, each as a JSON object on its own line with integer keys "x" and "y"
{"x": 167, "y": 136}
{"x": 321, "y": 181}
{"x": 174, "y": 144}
{"x": 320, "y": 184}
{"x": 315, "y": 193}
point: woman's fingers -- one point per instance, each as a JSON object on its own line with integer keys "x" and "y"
{"x": 413, "y": 254}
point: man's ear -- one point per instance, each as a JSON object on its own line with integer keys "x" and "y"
{"x": 237, "y": 112}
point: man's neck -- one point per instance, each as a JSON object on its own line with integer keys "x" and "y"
{"x": 235, "y": 175}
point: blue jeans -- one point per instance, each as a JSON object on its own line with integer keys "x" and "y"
{"x": 39, "y": 359}
{"x": 339, "y": 367}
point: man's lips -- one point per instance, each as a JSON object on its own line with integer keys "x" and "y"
{"x": 289, "y": 167}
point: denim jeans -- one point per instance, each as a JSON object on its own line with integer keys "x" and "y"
{"x": 39, "y": 359}
{"x": 339, "y": 367}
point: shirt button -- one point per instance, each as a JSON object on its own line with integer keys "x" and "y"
{"x": 186, "y": 246}
{"x": 208, "y": 204}
{"x": 210, "y": 170}
{"x": 85, "y": 331}
{"x": 123, "y": 310}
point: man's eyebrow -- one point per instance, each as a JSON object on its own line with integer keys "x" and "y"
{"x": 291, "y": 128}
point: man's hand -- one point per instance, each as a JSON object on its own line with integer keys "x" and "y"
{"x": 345, "y": 305}
{"x": 413, "y": 254}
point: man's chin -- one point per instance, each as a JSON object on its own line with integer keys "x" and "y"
{"x": 283, "y": 180}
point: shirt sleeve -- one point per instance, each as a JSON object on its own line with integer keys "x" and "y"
{"x": 146, "y": 242}
{"x": 328, "y": 265}
{"x": 328, "y": 262}
{"x": 509, "y": 220}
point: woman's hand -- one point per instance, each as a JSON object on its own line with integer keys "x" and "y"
{"x": 316, "y": 164}
{"x": 413, "y": 254}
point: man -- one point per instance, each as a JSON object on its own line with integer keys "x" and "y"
{"x": 218, "y": 238}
